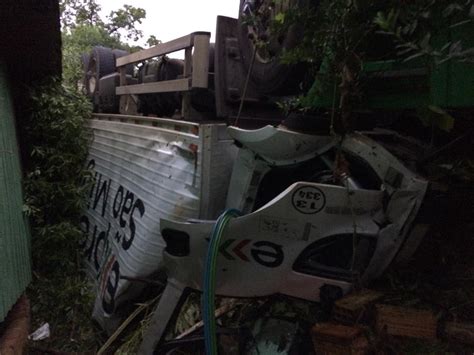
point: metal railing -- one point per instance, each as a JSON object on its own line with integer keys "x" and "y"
{"x": 195, "y": 74}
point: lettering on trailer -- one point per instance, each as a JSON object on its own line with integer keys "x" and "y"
{"x": 308, "y": 200}
{"x": 109, "y": 284}
{"x": 263, "y": 252}
{"x": 121, "y": 211}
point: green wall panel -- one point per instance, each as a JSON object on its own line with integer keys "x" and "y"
{"x": 15, "y": 259}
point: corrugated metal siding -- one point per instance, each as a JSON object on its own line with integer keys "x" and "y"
{"x": 15, "y": 260}
{"x": 135, "y": 164}
{"x": 159, "y": 162}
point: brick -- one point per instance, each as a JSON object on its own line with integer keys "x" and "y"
{"x": 406, "y": 322}
{"x": 337, "y": 339}
{"x": 356, "y": 307}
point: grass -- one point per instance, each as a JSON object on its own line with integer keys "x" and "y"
{"x": 65, "y": 302}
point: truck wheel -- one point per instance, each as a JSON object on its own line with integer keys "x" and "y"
{"x": 269, "y": 75}
{"x": 121, "y": 53}
{"x": 85, "y": 57}
{"x": 101, "y": 63}
{"x": 167, "y": 103}
{"x": 164, "y": 104}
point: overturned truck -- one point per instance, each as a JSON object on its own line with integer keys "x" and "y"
{"x": 181, "y": 144}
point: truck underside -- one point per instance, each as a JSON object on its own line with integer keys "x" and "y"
{"x": 179, "y": 144}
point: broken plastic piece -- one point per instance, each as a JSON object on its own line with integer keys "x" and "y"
{"x": 41, "y": 333}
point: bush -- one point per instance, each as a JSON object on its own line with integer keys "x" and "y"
{"x": 54, "y": 187}
{"x": 55, "y": 191}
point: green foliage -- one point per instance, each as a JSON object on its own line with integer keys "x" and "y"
{"x": 78, "y": 13}
{"x": 54, "y": 187}
{"x": 83, "y": 28}
{"x": 152, "y": 41}
{"x": 334, "y": 31}
{"x": 56, "y": 181}
{"x": 339, "y": 36}
{"x": 65, "y": 302}
{"x": 424, "y": 28}
{"x": 126, "y": 19}
{"x": 80, "y": 40}
{"x": 55, "y": 191}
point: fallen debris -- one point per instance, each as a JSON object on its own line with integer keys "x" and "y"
{"x": 274, "y": 336}
{"x": 123, "y": 326}
{"x": 219, "y": 312}
{"x": 41, "y": 333}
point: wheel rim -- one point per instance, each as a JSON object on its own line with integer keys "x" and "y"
{"x": 91, "y": 76}
{"x": 92, "y": 84}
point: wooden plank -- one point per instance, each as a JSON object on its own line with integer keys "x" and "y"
{"x": 356, "y": 307}
{"x": 160, "y": 49}
{"x": 406, "y": 322}
{"x": 160, "y": 86}
{"x": 330, "y": 338}
{"x": 200, "y": 61}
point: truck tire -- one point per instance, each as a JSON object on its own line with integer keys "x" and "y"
{"x": 109, "y": 102}
{"x": 85, "y": 58}
{"x": 269, "y": 75}
{"x": 121, "y": 53}
{"x": 169, "y": 69}
{"x": 164, "y": 104}
{"x": 101, "y": 63}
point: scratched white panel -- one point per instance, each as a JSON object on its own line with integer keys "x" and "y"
{"x": 219, "y": 153}
{"x": 141, "y": 174}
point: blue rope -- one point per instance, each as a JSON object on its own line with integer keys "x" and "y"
{"x": 208, "y": 301}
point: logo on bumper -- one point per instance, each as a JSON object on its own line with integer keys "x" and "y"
{"x": 265, "y": 253}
